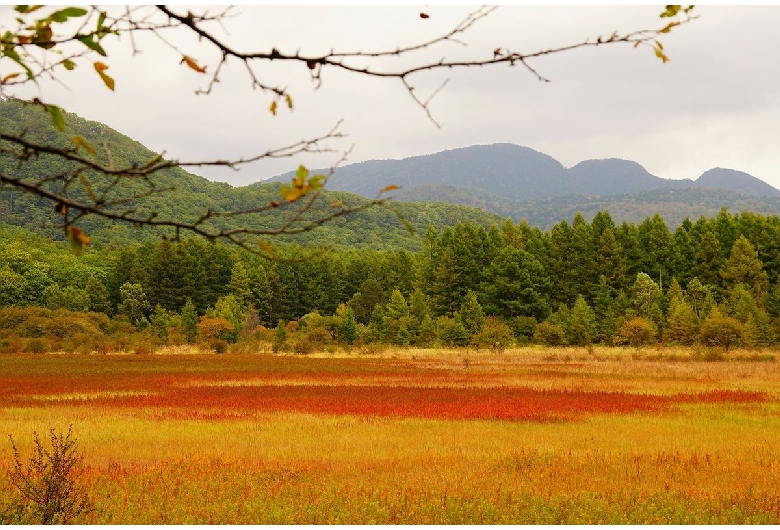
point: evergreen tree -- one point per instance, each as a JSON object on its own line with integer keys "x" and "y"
{"x": 582, "y": 323}
{"x": 364, "y": 301}
{"x": 681, "y": 321}
{"x": 240, "y": 285}
{"x": 397, "y": 319}
{"x": 427, "y": 335}
{"x": 581, "y": 258}
{"x": 559, "y": 254}
{"x": 189, "y": 321}
{"x": 605, "y": 311}
{"x": 516, "y": 285}
{"x": 471, "y": 315}
{"x": 708, "y": 261}
{"x": 744, "y": 267}
{"x": 444, "y": 295}
{"x": 158, "y": 323}
{"x": 609, "y": 261}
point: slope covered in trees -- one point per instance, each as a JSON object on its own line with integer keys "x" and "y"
{"x": 191, "y": 194}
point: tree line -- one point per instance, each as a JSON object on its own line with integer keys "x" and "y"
{"x": 711, "y": 280}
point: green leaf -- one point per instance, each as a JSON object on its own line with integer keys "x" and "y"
{"x": 101, "y": 19}
{"x": 89, "y": 42}
{"x": 26, "y": 9}
{"x": 301, "y": 174}
{"x": 68, "y": 64}
{"x": 317, "y": 181}
{"x": 57, "y": 117}
{"x": 69, "y": 12}
{"x": 9, "y": 52}
{"x": 670, "y": 11}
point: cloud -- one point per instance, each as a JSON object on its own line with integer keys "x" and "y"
{"x": 715, "y": 103}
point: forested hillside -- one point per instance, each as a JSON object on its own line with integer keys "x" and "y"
{"x": 710, "y": 280}
{"x": 191, "y": 195}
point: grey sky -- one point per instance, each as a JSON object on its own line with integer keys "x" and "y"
{"x": 715, "y": 104}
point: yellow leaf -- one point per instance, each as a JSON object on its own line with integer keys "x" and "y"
{"x": 272, "y": 108}
{"x": 9, "y": 77}
{"x": 336, "y": 204}
{"x": 189, "y": 61}
{"x": 661, "y": 55}
{"x": 100, "y": 68}
{"x": 288, "y": 99}
{"x": 78, "y": 140}
{"x": 391, "y": 187}
{"x": 290, "y": 193}
{"x": 77, "y": 238}
{"x": 267, "y": 248}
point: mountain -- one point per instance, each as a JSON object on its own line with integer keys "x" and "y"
{"x": 615, "y": 176}
{"x": 506, "y": 172}
{"x": 503, "y": 170}
{"x": 729, "y": 179}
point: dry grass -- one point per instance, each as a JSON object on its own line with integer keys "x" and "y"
{"x": 710, "y": 455}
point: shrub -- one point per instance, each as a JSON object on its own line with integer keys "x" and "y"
{"x": 36, "y": 345}
{"x": 549, "y": 334}
{"x": 451, "y": 331}
{"x": 494, "y": 335}
{"x": 636, "y": 332}
{"x": 49, "y": 483}
{"x": 722, "y": 331}
{"x": 523, "y": 328}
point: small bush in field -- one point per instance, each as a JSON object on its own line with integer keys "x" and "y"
{"x": 722, "y": 331}
{"x": 219, "y": 346}
{"x": 549, "y": 334}
{"x": 48, "y": 484}
{"x": 494, "y": 335}
{"x": 636, "y": 332}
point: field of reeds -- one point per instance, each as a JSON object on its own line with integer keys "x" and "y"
{"x": 419, "y": 436}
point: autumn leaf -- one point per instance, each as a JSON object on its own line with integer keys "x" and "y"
{"x": 267, "y": 248}
{"x": 272, "y": 108}
{"x": 391, "y": 187}
{"x": 61, "y": 208}
{"x": 78, "y": 140}
{"x": 77, "y": 239}
{"x": 100, "y": 68}
{"x": 9, "y": 77}
{"x": 289, "y": 101}
{"x": 189, "y": 61}
{"x": 336, "y": 204}
{"x": 424, "y": 15}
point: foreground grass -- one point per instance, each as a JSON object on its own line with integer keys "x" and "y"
{"x": 695, "y": 461}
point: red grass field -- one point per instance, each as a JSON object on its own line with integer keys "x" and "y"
{"x": 493, "y": 439}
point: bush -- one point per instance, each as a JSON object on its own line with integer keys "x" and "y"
{"x": 35, "y": 345}
{"x": 451, "y": 332}
{"x": 722, "y": 331}
{"x": 636, "y": 332}
{"x": 48, "y": 484}
{"x": 549, "y": 334}
{"x": 494, "y": 335}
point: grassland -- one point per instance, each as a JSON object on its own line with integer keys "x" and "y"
{"x": 530, "y": 436}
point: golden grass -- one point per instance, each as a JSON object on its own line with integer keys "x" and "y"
{"x": 695, "y": 463}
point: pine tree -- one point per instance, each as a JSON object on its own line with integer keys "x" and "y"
{"x": 471, "y": 314}
{"x": 516, "y": 285}
{"x": 582, "y": 323}
{"x": 744, "y": 267}
{"x": 681, "y": 321}
{"x": 189, "y": 321}
{"x": 158, "y": 323}
{"x": 427, "y": 335}
{"x": 239, "y": 285}
{"x": 605, "y": 311}
{"x": 708, "y": 261}
{"x": 700, "y": 299}
{"x": 609, "y": 261}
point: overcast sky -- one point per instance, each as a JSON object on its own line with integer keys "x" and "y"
{"x": 715, "y": 104}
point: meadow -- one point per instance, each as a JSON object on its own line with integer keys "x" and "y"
{"x": 532, "y": 435}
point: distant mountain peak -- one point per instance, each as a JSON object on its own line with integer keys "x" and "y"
{"x": 739, "y": 181}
